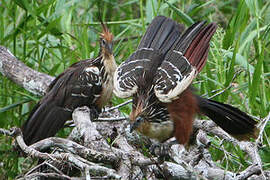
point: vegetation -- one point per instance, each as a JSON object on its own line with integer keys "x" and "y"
{"x": 51, "y": 35}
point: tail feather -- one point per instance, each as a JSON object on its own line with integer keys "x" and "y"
{"x": 186, "y": 39}
{"x": 198, "y": 50}
{"x": 161, "y": 34}
{"x": 45, "y": 121}
{"x": 194, "y": 43}
{"x": 151, "y": 32}
{"x": 230, "y": 119}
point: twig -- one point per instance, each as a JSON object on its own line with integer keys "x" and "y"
{"x": 251, "y": 170}
{"x": 7, "y": 132}
{"x": 43, "y": 164}
{"x": 46, "y": 175}
{"x": 260, "y": 136}
{"x": 75, "y": 148}
{"x": 87, "y": 174}
{"x": 110, "y": 119}
{"x": 145, "y": 162}
{"x": 100, "y": 119}
{"x": 228, "y": 87}
{"x": 75, "y": 160}
{"x": 119, "y": 105}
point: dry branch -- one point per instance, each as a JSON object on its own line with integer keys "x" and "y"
{"x": 31, "y": 80}
{"x": 122, "y": 158}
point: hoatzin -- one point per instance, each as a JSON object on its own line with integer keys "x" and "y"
{"x": 158, "y": 77}
{"x": 85, "y": 83}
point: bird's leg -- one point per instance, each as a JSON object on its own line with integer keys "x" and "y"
{"x": 94, "y": 113}
{"x": 162, "y": 150}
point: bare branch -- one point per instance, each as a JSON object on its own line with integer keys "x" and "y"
{"x": 46, "y": 175}
{"x": 77, "y": 161}
{"x": 75, "y": 148}
{"x": 264, "y": 123}
{"x": 7, "y": 132}
{"x": 120, "y": 105}
{"x": 228, "y": 87}
{"x": 100, "y": 119}
{"x": 251, "y": 170}
{"x": 81, "y": 118}
{"x": 31, "y": 80}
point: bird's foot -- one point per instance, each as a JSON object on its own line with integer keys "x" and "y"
{"x": 94, "y": 114}
{"x": 161, "y": 150}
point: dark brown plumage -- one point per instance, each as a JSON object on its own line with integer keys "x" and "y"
{"x": 86, "y": 83}
{"x": 158, "y": 76}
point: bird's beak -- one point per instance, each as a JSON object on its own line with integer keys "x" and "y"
{"x": 136, "y": 124}
{"x": 110, "y": 48}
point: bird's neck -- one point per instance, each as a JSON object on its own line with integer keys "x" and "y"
{"x": 109, "y": 64}
{"x": 107, "y": 69}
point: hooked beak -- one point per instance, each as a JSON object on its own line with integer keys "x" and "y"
{"x": 136, "y": 124}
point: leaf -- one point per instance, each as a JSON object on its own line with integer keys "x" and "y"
{"x": 11, "y": 106}
{"x": 252, "y": 35}
{"x": 186, "y": 19}
{"x": 240, "y": 60}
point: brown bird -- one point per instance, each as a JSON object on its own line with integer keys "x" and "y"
{"x": 86, "y": 83}
{"x": 158, "y": 77}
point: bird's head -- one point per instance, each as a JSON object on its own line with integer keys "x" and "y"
{"x": 106, "y": 41}
{"x": 151, "y": 119}
{"x": 139, "y": 116}
{"x": 137, "y": 123}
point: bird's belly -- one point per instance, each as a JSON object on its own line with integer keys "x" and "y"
{"x": 106, "y": 94}
{"x": 159, "y": 131}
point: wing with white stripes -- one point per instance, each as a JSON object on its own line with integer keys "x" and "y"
{"x": 183, "y": 62}
{"x": 173, "y": 76}
{"x": 137, "y": 72}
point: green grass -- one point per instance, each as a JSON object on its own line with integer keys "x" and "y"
{"x": 51, "y": 35}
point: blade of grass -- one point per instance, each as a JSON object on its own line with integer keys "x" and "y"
{"x": 185, "y": 18}
{"x": 11, "y": 106}
{"x": 230, "y": 73}
{"x": 240, "y": 60}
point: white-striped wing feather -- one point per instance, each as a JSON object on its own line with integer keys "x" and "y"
{"x": 173, "y": 76}
{"x": 136, "y": 72}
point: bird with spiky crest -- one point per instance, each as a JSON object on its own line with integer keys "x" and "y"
{"x": 85, "y": 83}
{"x": 158, "y": 76}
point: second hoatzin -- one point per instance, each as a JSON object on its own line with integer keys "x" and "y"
{"x": 158, "y": 77}
{"x": 86, "y": 83}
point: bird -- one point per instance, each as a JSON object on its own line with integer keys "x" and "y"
{"x": 158, "y": 77}
{"x": 87, "y": 82}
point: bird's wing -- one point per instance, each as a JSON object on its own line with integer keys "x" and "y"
{"x": 136, "y": 72}
{"x": 85, "y": 89}
{"x": 183, "y": 62}
{"x": 141, "y": 66}
{"x": 80, "y": 83}
{"x": 78, "y": 86}
{"x": 71, "y": 68}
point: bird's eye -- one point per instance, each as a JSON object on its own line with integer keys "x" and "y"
{"x": 103, "y": 42}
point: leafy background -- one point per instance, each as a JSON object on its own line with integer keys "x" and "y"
{"x": 49, "y": 36}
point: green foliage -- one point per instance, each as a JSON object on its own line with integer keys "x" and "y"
{"x": 51, "y": 35}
